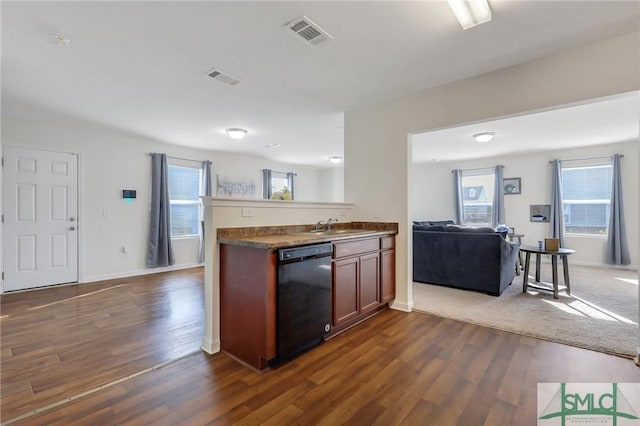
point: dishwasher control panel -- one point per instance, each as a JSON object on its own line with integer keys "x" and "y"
{"x": 317, "y": 250}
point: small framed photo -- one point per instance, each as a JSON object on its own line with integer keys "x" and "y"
{"x": 540, "y": 212}
{"x": 511, "y": 186}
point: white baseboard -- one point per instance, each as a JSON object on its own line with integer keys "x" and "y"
{"x": 210, "y": 346}
{"x": 404, "y": 307}
{"x": 126, "y": 274}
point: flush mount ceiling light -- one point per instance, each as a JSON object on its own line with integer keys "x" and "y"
{"x": 484, "y": 137}
{"x": 236, "y": 133}
{"x": 335, "y": 159}
{"x": 58, "y": 39}
{"x": 471, "y": 12}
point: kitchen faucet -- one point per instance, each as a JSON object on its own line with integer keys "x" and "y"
{"x": 328, "y": 223}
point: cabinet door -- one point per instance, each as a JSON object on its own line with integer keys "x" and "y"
{"x": 388, "y": 276}
{"x": 345, "y": 290}
{"x": 369, "y": 282}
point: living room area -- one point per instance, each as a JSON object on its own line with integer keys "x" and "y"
{"x": 600, "y": 312}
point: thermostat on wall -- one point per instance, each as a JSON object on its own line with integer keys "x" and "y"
{"x": 129, "y": 193}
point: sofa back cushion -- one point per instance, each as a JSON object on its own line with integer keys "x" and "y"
{"x": 470, "y": 229}
{"x": 432, "y": 228}
{"x": 432, "y": 222}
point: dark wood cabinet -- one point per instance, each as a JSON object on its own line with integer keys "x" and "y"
{"x": 248, "y": 278}
{"x": 387, "y": 275}
{"x": 363, "y": 282}
{"x": 387, "y": 269}
{"x": 345, "y": 290}
{"x": 363, "y": 279}
{"x": 369, "y": 282}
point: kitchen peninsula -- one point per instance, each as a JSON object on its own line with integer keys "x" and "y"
{"x": 360, "y": 281}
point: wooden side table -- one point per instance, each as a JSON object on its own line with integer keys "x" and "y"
{"x": 563, "y": 253}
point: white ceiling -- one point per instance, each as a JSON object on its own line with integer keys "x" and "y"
{"x": 604, "y": 121}
{"x": 138, "y": 66}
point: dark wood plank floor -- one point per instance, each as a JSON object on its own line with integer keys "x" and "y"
{"x": 396, "y": 368}
{"x": 58, "y": 342}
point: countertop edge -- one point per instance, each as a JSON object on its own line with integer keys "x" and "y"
{"x": 291, "y": 240}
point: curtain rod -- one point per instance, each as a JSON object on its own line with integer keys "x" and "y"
{"x": 182, "y": 158}
{"x": 479, "y": 168}
{"x": 592, "y": 158}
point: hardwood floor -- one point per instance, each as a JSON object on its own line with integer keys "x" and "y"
{"x": 395, "y": 368}
{"x": 61, "y": 341}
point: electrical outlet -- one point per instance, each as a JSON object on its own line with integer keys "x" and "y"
{"x": 247, "y": 212}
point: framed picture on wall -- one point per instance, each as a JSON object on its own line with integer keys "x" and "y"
{"x": 540, "y": 212}
{"x": 511, "y": 186}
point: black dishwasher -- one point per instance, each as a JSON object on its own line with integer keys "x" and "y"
{"x": 303, "y": 299}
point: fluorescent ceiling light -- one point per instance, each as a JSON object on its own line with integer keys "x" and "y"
{"x": 236, "y": 133}
{"x": 484, "y": 137}
{"x": 335, "y": 160}
{"x": 471, "y": 12}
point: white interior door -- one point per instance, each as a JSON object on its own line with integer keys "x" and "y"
{"x": 40, "y": 244}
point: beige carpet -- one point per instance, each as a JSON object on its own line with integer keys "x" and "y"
{"x": 601, "y": 314}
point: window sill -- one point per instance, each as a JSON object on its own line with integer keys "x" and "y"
{"x": 594, "y": 236}
{"x": 187, "y": 237}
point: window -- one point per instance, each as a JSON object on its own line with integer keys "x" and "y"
{"x": 477, "y": 196}
{"x": 277, "y": 185}
{"x": 184, "y": 196}
{"x": 586, "y": 198}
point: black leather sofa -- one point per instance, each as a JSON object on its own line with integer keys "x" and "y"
{"x": 477, "y": 259}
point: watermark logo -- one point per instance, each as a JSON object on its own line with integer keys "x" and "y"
{"x": 616, "y": 404}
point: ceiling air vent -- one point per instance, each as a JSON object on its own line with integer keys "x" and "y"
{"x": 222, "y": 77}
{"x": 308, "y": 31}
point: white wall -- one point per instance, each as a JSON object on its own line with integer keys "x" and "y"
{"x": 111, "y": 161}
{"x": 331, "y": 188}
{"x": 377, "y": 149}
{"x": 432, "y": 195}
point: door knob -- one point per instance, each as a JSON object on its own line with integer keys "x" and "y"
{"x": 72, "y": 228}
{"x": 72, "y": 219}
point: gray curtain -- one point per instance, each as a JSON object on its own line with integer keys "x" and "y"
{"x": 457, "y": 182}
{"x": 266, "y": 184}
{"x": 290, "y": 176}
{"x": 498, "y": 216}
{"x": 206, "y": 191}
{"x": 617, "y": 247}
{"x": 556, "y": 221}
{"x": 159, "y": 251}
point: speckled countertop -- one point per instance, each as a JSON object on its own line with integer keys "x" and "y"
{"x": 274, "y": 237}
